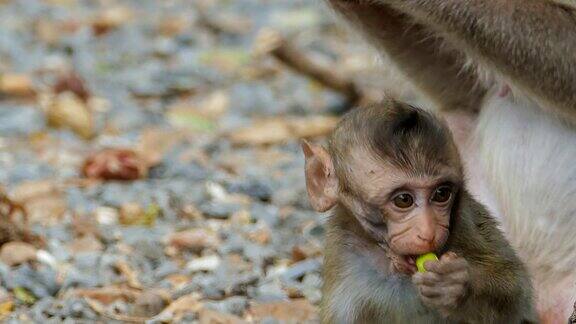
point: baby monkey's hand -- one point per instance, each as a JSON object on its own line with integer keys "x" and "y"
{"x": 445, "y": 284}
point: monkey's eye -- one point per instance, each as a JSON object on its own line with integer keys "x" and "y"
{"x": 403, "y": 201}
{"x": 442, "y": 194}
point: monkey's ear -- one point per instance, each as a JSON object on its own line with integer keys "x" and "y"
{"x": 321, "y": 180}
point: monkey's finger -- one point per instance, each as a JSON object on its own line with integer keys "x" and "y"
{"x": 432, "y": 302}
{"x": 458, "y": 277}
{"x": 431, "y": 265}
{"x": 426, "y": 278}
{"x": 451, "y": 266}
{"x": 428, "y": 291}
{"x": 449, "y": 256}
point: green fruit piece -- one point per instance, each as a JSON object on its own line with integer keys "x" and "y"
{"x": 423, "y": 258}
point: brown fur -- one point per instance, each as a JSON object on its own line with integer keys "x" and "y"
{"x": 501, "y": 286}
{"x": 500, "y": 289}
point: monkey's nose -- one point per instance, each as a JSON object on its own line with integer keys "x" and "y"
{"x": 426, "y": 238}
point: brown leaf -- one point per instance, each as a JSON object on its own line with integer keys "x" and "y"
{"x": 194, "y": 239}
{"x": 208, "y": 316}
{"x": 44, "y": 201}
{"x": 302, "y": 252}
{"x": 173, "y": 25}
{"x": 106, "y": 295}
{"x": 111, "y": 18}
{"x": 278, "y": 130}
{"x": 129, "y": 274}
{"x": 181, "y": 306}
{"x": 115, "y": 164}
{"x": 14, "y": 84}
{"x": 73, "y": 83}
{"x": 261, "y": 235}
{"x": 14, "y": 222}
{"x": 67, "y": 110}
{"x": 30, "y": 190}
{"x": 155, "y": 142}
{"x": 299, "y": 310}
{"x": 15, "y": 253}
{"x": 134, "y": 214}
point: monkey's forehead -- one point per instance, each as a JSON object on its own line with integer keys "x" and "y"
{"x": 370, "y": 174}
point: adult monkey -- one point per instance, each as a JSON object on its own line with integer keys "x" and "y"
{"x": 521, "y": 158}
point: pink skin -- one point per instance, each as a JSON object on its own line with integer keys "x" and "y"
{"x": 504, "y": 91}
{"x": 409, "y": 232}
{"x": 445, "y": 284}
{"x": 404, "y": 231}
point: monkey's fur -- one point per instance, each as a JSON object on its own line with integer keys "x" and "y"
{"x": 518, "y": 149}
{"x": 357, "y": 290}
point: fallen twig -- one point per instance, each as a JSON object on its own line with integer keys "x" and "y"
{"x": 272, "y": 43}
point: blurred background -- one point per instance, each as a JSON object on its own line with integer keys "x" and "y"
{"x": 150, "y": 165}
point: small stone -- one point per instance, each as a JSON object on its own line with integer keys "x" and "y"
{"x": 219, "y": 210}
{"x": 107, "y": 215}
{"x": 267, "y": 213}
{"x": 207, "y": 263}
{"x": 270, "y": 291}
{"x": 301, "y": 268}
{"x": 149, "y": 304}
{"x": 261, "y": 235}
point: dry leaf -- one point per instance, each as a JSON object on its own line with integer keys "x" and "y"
{"x": 115, "y": 164}
{"x": 14, "y": 84}
{"x": 302, "y": 252}
{"x": 278, "y": 130}
{"x": 105, "y": 295}
{"x": 132, "y": 214}
{"x": 44, "y": 201}
{"x": 24, "y": 295}
{"x": 66, "y": 110}
{"x": 299, "y": 310}
{"x": 6, "y": 308}
{"x": 173, "y": 25}
{"x": 111, "y": 18}
{"x": 29, "y": 190}
{"x": 71, "y": 82}
{"x": 129, "y": 274}
{"x": 181, "y": 306}
{"x": 194, "y": 239}
{"x": 48, "y": 31}
{"x": 261, "y": 235}
{"x": 155, "y": 142}
{"x": 208, "y": 316}
{"x": 15, "y": 253}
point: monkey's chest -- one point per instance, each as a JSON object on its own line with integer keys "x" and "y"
{"x": 368, "y": 295}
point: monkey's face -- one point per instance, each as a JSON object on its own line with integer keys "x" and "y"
{"x": 411, "y": 213}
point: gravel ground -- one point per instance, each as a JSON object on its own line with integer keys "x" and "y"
{"x": 213, "y": 224}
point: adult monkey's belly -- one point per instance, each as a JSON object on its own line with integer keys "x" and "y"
{"x": 521, "y": 163}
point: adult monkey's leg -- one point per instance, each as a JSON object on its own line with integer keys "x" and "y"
{"x": 531, "y": 44}
{"x": 432, "y": 67}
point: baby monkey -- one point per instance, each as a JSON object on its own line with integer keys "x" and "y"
{"x": 394, "y": 179}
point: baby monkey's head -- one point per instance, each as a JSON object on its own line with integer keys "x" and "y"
{"x": 396, "y": 169}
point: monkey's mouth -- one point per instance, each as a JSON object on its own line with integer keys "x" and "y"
{"x": 405, "y": 264}
{"x": 410, "y": 259}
